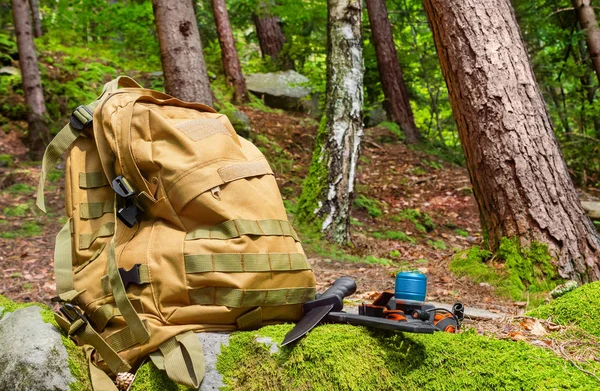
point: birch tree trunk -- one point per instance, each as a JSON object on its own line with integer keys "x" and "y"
{"x": 181, "y": 53}
{"x": 35, "y": 16}
{"x": 519, "y": 177}
{"x": 392, "y": 80}
{"x": 32, "y": 83}
{"x": 328, "y": 189}
{"x": 231, "y": 62}
{"x": 587, "y": 20}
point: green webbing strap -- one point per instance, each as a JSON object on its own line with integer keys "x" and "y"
{"x": 103, "y": 314}
{"x": 144, "y": 278}
{"x": 70, "y": 296}
{"x": 63, "y": 259}
{"x": 99, "y": 379}
{"x": 239, "y": 262}
{"x": 59, "y": 144}
{"x": 86, "y": 334}
{"x": 86, "y": 240}
{"x": 182, "y": 358}
{"x": 122, "y": 339}
{"x": 251, "y": 320}
{"x": 131, "y": 317}
{"x": 236, "y": 228}
{"x": 93, "y": 210}
{"x": 92, "y": 180}
{"x": 232, "y": 297}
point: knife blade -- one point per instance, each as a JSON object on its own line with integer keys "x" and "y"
{"x": 331, "y": 300}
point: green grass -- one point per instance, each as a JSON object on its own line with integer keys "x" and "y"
{"x": 393, "y": 235}
{"x": 28, "y": 229}
{"x": 437, "y": 244}
{"x": 343, "y": 357}
{"x": 461, "y": 232}
{"x": 371, "y": 206}
{"x": 422, "y": 221}
{"x": 20, "y": 188}
{"x": 17, "y": 211}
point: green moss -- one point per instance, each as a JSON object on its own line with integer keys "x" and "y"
{"x": 422, "y": 221}
{"x": 524, "y": 273}
{"x": 313, "y": 187}
{"x": 6, "y": 160}
{"x": 393, "y": 235}
{"x": 580, "y": 307}
{"x": 341, "y": 357}
{"x": 461, "y": 232}
{"x": 372, "y": 207}
{"x": 437, "y": 244}
{"x": 150, "y": 378}
{"x": 28, "y": 228}
{"x": 20, "y": 188}
{"x": 17, "y": 211}
{"x": 55, "y": 175}
{"x": 394, "y": 128}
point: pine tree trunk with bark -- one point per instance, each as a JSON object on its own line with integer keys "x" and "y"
{"x": 519, "y": 177}
{"x": 587, "y": 20}
{"x": 231, "y": 61}
{"x": 181, "y": 52}
{"x": 32, "y": 84}
{"x": 270, "y": 35}
{"x": 392, "y": 80}
{"x": 328, "y": 189}
{"x": 35, "y": 16}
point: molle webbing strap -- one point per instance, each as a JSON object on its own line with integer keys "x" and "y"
{"x": 93, "y": 210}
{"x": 144, "y": 277}
{"x": 86, "y": 240}
{"x": 232, "y": 297}
{"x": 236, "y": 228}
{"x": 182, "y": 358}
{"x": 85, "y": 333}
{"x": 63, "y": 260}
{"x": 240, "y": 262}
{"x": 92, "y": 180}
{"x": 103, "y": 314}
{"x": 251, "y": 320}
{"x": 122, "y": 339}
{"x": 131, "y": 317}
{"x": 99, "y": 379}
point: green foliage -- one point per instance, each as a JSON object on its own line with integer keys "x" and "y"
{"x": 372, "y": 207}
{"x": 17, "y": 211}
{"x": 393, "y": 235}
{"x": 524, "y": 272}
{"x": 28, "y": 229}
{"x": 461, "y": 232}
{"x": 20, "y": 188}
{"x": 579, "y": 307}
{"x": 6, "y": 160}
{"x": 150, "y": 378}
{"x": 343, "y": 357}
{"x": 422, "y": 221}
{"x": 437, "y": 244}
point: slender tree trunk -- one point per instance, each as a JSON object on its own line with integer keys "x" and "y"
{"x": 519, "y": 177}
{"x": 32, "y": 83}
{"x": 270, "y": 35}
{"x": 183, "y": 62}
{"x": 392, "y": 80}
{"x": 35, "y": 16}
{"x": 587, "y": 21}
{"x": 329, "y": 188}
{"x": 231, "y": 62}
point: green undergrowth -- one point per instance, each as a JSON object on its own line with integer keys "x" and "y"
{"x": 422, "y": 221}
{"x": 343, "y": 357}
{"x": 580, "y": 307}
{"x": 27, "y": 229}
{"x": 393, "y": 235}
{"x": 78, "y": 364}
{"x": 517, "y": 273}
{"x": 371, "y": 206}
{"x": 149, "y": 378}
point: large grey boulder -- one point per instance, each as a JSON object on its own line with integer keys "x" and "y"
{"x": 32, "y": 355}
{"x": 282, "y": 90}
{"x": 375, "y": 116}
{"x": 211, "y": 345}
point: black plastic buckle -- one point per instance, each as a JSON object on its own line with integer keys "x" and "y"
{"x": 122, "y": 187}
{"x": 128, "y": 214}
{"x": 73, "y": 314}
{"x": 130, "y": 211}
{"x": 81, "y": 118}
{"x": 131, "y": 276}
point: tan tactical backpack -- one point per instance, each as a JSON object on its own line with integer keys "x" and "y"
{"x": 175, "y": 226}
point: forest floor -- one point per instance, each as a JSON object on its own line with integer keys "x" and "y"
{"x": 414, "y": 210}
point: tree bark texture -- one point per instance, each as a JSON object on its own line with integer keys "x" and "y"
{"x": 587, "y": 21}
{"x": 231, "y": 61}
{"x": 32, "y": 83}
{"x": 181, "y": 53}
{"x": 270, "y": 35}
{"x": 392, "y": 80}
{"x": 333, "y": 169}
{"x": 519, "y": 177}
{"x": 35, "y": 16}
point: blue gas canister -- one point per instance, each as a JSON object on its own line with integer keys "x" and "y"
{"x": 411, "y": 288}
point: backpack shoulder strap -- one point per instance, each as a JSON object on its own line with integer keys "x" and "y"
{"x": 182, "y": 358}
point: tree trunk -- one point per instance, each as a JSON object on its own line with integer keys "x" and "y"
{"x": 329, "y": 188}
{"x": 390, "y": 72}
{"x": 231, "y": 62}
{"x": 270, "y": 35}
{"x": 35, "y": 16}
{"x": 32, "y": 83}
{"x": 587, "y": 21}
{"x": 519, "y": 177}
{"x": 181, "y": 53}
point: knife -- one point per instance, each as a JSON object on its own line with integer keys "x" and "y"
{"x": 331, "y": 300}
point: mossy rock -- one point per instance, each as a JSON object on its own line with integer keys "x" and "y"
{"x": 342, "y": 357}
{"x": 579, "y": 307}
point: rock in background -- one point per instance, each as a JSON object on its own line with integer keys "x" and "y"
{"x": 281, "y": 90}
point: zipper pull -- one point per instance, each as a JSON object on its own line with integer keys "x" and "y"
{"x": 216, "y": 192}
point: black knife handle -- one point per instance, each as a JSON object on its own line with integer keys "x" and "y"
{"x": 342, "y": 287}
